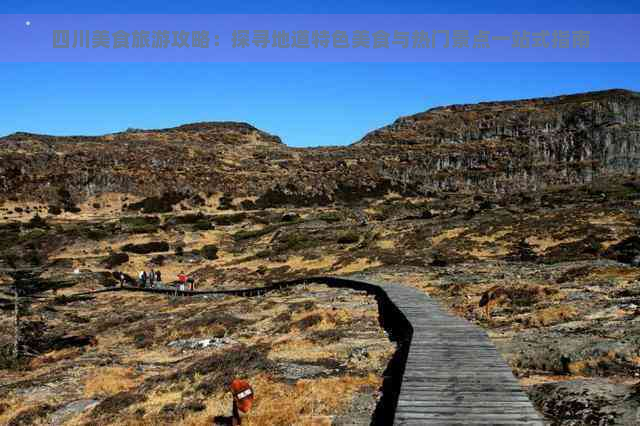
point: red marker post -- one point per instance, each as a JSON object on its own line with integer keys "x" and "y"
{"x": 242, "y": 400}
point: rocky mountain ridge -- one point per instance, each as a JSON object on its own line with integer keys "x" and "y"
{"x": 491, "y": 147}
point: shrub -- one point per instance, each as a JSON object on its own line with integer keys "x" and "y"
{"x": 209, "y": 252}
{"x": 247, "y": 205}
{"x": 222, "y": 367}
{"x": 140, "y": 225}
{"x": 116, "y": 403}
{"x": 37, "y": 222}
{"x": 146, "y": 248}
{"x": 295, "y": 241}
{"x": 8, "y": 361}
{"x": 203, "y": 225}
{"x": 226, "y": 202}
{"x": 349, "y": 237}
{"x": 161, "y": 204}
{"x": 330, "y": 217}
{"x": 290, "y": 217}
{"x": 115, "y": 259}
{"x": 54, "y": 210}
{"x": 97, "y": 234}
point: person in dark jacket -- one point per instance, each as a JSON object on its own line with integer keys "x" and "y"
{"x": 152, "y": 278}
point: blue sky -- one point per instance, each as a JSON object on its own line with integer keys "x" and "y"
{"x": 305, "y": 104}
{"x": 324, "y": 6}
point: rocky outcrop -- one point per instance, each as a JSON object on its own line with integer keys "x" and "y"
{"x": 587, "y": 402}
{"x": 502, "y": 146}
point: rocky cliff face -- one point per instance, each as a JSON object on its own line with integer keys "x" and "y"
{"x": 501, "y": 146}
{"x": 487, "y": 147}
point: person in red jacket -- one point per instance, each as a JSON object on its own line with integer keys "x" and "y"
{"x": 182, "y": 278}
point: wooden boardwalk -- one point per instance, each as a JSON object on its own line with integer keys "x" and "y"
{"x": 454, "y": 375}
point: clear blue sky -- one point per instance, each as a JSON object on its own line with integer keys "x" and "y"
{"x": 305, "y": 104}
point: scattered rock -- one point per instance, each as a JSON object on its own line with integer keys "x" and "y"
{"x": 195, "y": 344}
{"x": 64, "y": 413}
{"x": 296, "y": 371}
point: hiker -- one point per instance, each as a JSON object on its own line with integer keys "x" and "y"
{"x": 190, "y": 283}
{"x": 242, "y": 400}
{"x": 120, "y": 278}
{"x": 152, "y": 278}
{"x": 158, "y": 278}
{"x": 182, "y": 278}
{"x": 143, "y": 279}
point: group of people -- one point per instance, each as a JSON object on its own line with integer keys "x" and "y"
{"x": 153, "y": 279}
{"x": 149, "y": 279}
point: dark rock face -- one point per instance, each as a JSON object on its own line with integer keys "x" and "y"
{"x": 503, "y": 147}
{"x": 522, "y": 144}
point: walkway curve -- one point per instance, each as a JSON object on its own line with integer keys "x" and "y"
{"x": 445, "y": 371}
